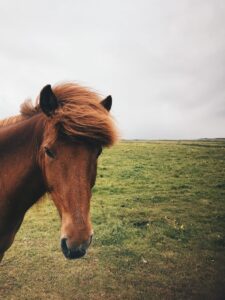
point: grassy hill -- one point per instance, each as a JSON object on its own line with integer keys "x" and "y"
{"x": 158, "y": 212}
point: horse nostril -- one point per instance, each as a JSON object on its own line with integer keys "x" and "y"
{"x": 87, "y": 243}
{"x": 64, "y": 245}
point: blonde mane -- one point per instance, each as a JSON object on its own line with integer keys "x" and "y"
{"x": 80, "y": 114}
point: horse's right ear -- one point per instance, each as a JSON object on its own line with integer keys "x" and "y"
{"x": 48, "y": 101}
{"x": 107, "y": 103}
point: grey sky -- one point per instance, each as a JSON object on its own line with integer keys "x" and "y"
{"x": 163, "y": 61}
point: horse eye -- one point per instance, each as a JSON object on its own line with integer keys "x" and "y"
{"x": 49, "y": 152}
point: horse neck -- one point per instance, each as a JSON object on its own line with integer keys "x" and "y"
{"x": 21, "y": 181}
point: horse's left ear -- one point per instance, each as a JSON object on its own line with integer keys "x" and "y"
{"x": 107, "y": 103}
{"x": 48, "y": 100}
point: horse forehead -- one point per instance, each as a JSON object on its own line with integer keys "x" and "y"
{"x": 76, "y": 150}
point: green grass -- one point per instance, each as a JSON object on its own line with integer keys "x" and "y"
{"x": 158, "y": 212}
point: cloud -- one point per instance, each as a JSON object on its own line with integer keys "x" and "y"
{"x": 163, "y": 61}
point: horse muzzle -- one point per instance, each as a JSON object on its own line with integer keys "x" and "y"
{"x": 74, "y": 252}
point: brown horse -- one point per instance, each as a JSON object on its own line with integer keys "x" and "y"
{"x": 53, "y": 147}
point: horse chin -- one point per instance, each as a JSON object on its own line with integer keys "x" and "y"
{"x": 74, "y": 254}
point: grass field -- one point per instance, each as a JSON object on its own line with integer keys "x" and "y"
{"x": 158, "y": 212}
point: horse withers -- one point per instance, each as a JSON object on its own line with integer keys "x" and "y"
{"x": 53, "y": 148}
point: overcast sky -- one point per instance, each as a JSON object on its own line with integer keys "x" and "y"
{"x": 163, "y": 61}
